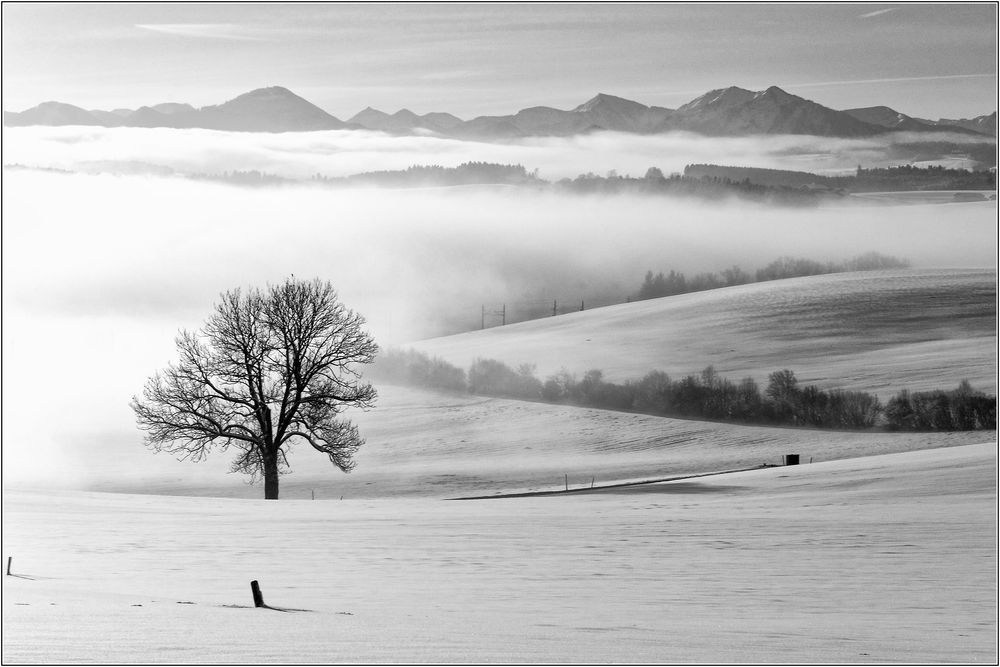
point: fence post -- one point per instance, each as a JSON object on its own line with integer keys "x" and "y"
{"x": 258, "y": 597}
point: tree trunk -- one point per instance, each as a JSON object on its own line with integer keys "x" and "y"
{"x": 270, "y": 478}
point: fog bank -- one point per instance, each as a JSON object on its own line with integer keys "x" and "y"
{"x": 99, "y": 272}
{"x": 301, "y": 155}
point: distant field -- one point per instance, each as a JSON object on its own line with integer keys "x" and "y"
{"x": 876, "y": 331}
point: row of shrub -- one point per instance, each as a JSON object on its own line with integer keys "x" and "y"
{"x": 963, "y": 409}
{"x": 416, "y": 369}
{"x": 704, "y": 396}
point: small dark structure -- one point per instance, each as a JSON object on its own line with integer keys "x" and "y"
{"x": 791, "y": 459}
{"x": 258, "y": 597}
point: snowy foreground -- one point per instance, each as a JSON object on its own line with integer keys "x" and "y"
{"x": 878, "y": 559}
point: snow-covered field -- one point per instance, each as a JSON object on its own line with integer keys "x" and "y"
{"x": 878, "y": 559}
{"x": 422, "y": 443}
{"x": 883, "y": 549}
{"x": 877, "y": 331}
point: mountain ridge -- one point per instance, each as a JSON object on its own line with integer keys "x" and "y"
{"x": 731, "y": 111}
{"x": 890, "y": 118}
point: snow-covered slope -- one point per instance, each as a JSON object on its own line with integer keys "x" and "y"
{"x": 879, "y": 331}
{"x": 881, "y": 559}
{"x": 876, "y": 332}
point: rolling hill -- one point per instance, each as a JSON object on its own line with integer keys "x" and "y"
{"x": 879, "y": 331}
{"x": 869, "y": 331}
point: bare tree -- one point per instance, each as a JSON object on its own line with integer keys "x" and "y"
{"x": 268, "y": 369}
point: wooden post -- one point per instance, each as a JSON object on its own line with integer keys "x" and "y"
{"x": 592, "y": 482}
{"x": 258, "y": 598}
{"x": 567, "y": 482}
{"x": 9, "y": 559}
{"x": 313, "y": 492}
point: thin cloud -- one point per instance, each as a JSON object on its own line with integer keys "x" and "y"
{"x": 449, "y": 75}
{"x": 878, "y": 12}
{"x": 231, "y": 31}
{"x": 891, "y": 80}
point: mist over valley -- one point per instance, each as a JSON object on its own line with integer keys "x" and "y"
{"x": 384, "y": 311}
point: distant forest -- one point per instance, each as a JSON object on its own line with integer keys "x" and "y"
{"x": 700, "y": 181}
{"x": 468, "y": 173}
{"x": 704, "y": 396}
{"x": 486, "y": 173}
{"x": 675, "y": 282}
{"x": 887, "y": 179}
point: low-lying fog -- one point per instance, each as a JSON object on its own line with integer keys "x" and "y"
{"x": 99, "y": 272}
{"x": 342, "y": 153}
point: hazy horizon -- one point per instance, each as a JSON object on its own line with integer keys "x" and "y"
{"x": 337, "y": 153}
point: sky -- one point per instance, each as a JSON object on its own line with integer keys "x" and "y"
{"x": 926, "y": 60}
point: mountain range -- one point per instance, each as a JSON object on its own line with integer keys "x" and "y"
{"x": 723, "y": 112}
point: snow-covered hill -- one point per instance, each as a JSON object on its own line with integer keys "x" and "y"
{"x": 879, "y": 331}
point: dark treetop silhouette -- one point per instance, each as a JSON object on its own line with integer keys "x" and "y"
{"x": 268, "y": 368}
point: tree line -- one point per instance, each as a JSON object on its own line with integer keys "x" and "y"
{"x": 701, "y": 181}
{"x": 708, "y": 187}
{"x": 876, "y": 179}
{"x": 675, "y": 282}
{"x": 467, "y": 173}
{"x": 700, "y": 396}
{"x": 962, "y": 409}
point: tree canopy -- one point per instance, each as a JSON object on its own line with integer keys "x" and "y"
{"x": 269, "y": 368}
